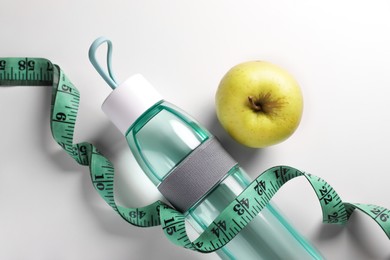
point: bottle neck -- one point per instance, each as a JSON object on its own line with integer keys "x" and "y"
{"x": 162, "y": 137}
{"x": 145, "y": 117}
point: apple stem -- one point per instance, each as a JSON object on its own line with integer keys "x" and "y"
{"x": 255, "y": 105}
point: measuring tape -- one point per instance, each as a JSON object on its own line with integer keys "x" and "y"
{"x": 64, "y": 108}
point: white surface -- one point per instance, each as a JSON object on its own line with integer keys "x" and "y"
{"x": 339, "y": 51}
{"x": 129, "y": 101}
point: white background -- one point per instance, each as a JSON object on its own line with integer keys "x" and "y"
{"x": 339, "y": 51}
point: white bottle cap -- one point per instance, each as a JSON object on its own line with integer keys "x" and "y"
{"x": 129, "y": 101}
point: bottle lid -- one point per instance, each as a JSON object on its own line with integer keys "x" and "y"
{"x": 129, "y": 101}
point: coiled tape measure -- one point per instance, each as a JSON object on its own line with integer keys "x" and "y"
{"x": 64, "y": 108}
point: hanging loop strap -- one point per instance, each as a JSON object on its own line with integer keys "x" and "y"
{"x": 108, "y": 77}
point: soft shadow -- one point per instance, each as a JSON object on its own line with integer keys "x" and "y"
{"x": 108, "y": 139}
{"x": 363, "y": 238}
{"x": 328, "y": 231}
{"x": 244, "y": 155}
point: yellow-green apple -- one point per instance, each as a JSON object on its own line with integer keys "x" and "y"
{"x": 259, "y": 104}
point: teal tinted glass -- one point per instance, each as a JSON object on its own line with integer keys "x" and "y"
{"x": 163, "y": 137}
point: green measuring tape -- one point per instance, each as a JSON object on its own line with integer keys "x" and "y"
{"x": 64, "y": 108}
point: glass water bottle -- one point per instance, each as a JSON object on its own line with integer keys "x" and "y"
{"x": 195, "y": 174}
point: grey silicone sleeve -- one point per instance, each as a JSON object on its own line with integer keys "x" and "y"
{"x": 196, "y": 175}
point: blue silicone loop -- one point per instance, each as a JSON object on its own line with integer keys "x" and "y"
{"x": 109, "y": 78}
